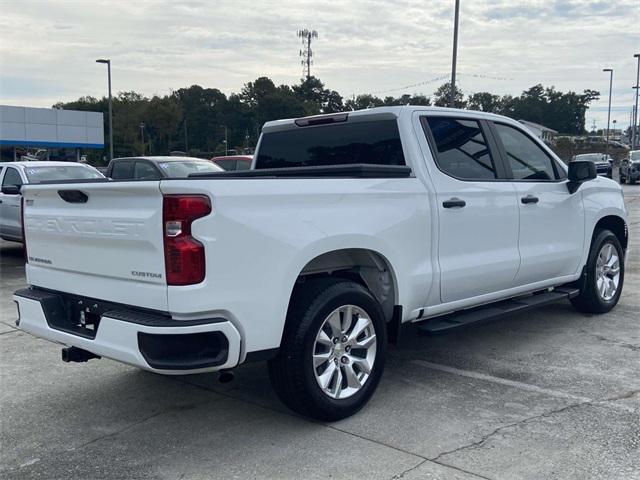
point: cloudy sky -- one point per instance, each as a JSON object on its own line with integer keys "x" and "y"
{"x": 48, "y": 48}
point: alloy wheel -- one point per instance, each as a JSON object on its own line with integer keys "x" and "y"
{"x": 344, "y": 351}
{"x": 607, "y": 272}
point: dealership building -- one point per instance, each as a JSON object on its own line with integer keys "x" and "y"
{"x": 52, "y": 130}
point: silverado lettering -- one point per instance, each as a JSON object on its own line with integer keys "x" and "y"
{"x": 95, "y": 227}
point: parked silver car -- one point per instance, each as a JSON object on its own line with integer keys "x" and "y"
{"x": 630, "y": 167}
{"x": 15, "y": 174}
{"x": 604, "y": 163}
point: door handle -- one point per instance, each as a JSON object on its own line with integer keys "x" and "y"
{"x": 453, "y": 203}
{"x": 530, "y": 199}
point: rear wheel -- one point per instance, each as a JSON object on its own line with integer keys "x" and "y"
{"x": 623, "y": 179}
{"x": 605, "y": 275}
{"x": 333, "y": 350}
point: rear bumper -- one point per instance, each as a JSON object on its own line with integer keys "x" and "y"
{"x": 155, "y": 343}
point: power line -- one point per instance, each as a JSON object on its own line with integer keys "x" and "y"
{"x": 440, "y": 78}
{"x": 413, "y": 85}
{"x": 306, "y": 53}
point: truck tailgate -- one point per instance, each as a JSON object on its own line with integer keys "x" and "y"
{"x": 108, "y": 247}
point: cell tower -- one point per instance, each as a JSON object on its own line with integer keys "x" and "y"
{"x": 306, "y": 53}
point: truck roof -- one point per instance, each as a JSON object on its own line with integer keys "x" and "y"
{"x": 160, "y": 158}
{"x": 42, "y": 163}
{"x": 375, "y": 113}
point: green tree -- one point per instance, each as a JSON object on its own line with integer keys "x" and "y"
{"x": 163, "y": 118}
{"x": 207, "y": 111}
{"x": 362, "y": 102}
{"x": 484, "y": 102}
{"x": 317, "y": 99}
{"x": 202, "y": 109}
{"x": 442, "y": 95}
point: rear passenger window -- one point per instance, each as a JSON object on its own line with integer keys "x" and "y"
{"x": 527, "y": 159}
{"x": 374, "y": 142}
{"x": 227, "y": 164}
{"x": 462, "y": 150}
{"x": 145, "y": 171}
{"x": 121, "y": 170}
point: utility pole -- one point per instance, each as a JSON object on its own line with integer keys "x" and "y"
{"x": 454, "y": 58}
{"x": 307, "y": 53}
{"x": 610, "y": 70}
{"x": 107, "y": 62}
{"x": 634, "y": 141}
{"x": 142, "y": 136}
{"x": 632, "y": 125}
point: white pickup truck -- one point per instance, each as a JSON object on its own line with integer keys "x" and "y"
{"x": 347, "y": 226}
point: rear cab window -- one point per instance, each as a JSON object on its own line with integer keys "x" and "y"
{"x": 371, "y": 142}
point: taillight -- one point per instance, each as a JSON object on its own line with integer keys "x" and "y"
{"x": 183, "y": 255}
{"x": 24, "y": 238}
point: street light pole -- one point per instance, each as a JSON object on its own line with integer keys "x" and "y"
{"x": 454, "y": 58}
{"x": 226, "y": 142}
{"x": 142, "y": 135}
{"x": 610, "y": 70}
{"x": 108, "y": 62}
{"x": 634, "y": 141}
{"x": 186, "y": 138}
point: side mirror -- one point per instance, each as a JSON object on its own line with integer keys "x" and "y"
{"x": 11, "y": 189}
{"x": 580, "y": 171}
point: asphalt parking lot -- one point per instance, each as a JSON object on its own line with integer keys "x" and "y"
{"x": 551, "y": 393}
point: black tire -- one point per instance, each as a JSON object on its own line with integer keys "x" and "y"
{"x": 623, "y": 179}
{"x": 292, "y": 373}
{"x": 589, "y": 300}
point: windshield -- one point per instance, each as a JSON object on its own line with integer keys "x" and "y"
{"x": 63, "y": 172}
{"x": 635, "y": 155}
{"x": 176, "y": 169}
{"x": 593, "y": 157}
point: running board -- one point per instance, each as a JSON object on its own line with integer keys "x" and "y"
{"x": 493, "y": 311}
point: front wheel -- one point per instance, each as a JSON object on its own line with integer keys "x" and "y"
{"x": 333, "y": 350}
{"x": 605, "y": 275}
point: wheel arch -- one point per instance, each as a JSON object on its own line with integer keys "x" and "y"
{"x": 616, "y": 225}
{"x": 366, "y": 266}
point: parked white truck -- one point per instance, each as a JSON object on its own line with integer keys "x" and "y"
{"x": 348, "y": 226}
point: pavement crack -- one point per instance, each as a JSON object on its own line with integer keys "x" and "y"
{"x": 622, "y": 396}
{"x": 10, "y": 331}
{"x": 408, "y": 470}
{"x": 173, "y": 408}
{"x": 616, "y": 343}
{"x": 479, "y": 443}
